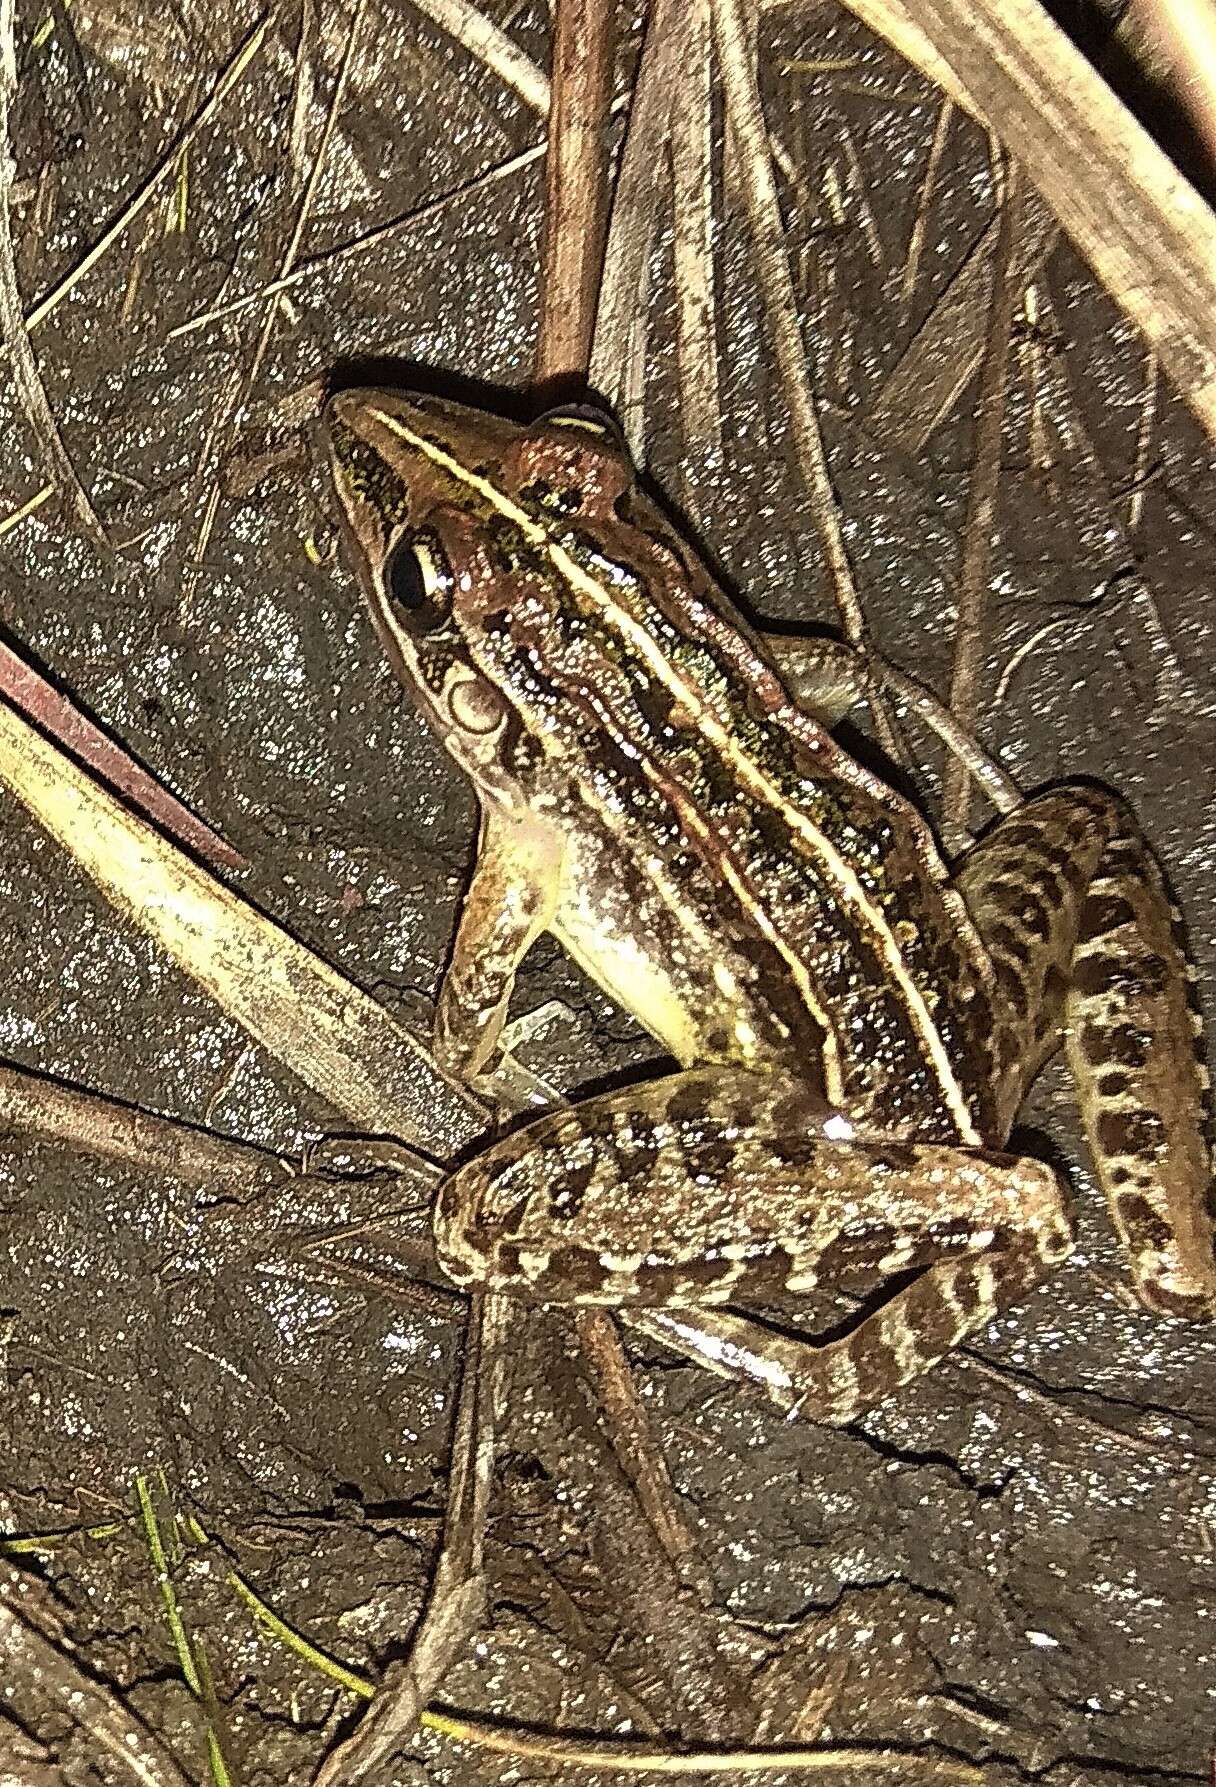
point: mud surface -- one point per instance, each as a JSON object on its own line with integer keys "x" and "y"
{"x": 1014, "y": 1558}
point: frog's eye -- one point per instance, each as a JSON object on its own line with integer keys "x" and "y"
{"x": 414, "y": 583}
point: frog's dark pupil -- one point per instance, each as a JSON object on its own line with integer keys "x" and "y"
{"x": 403, "y": 578}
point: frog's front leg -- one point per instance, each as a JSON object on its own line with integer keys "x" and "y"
{"x": 510, "y": 901}
{"x": 714, "y": 1186}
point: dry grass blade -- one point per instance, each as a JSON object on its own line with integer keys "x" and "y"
{"x": 899, "y": 25}
{"x": 693, "y": 190}
{"x": 1119, "y": 197}
{"x": 483, "y": 39}
{"x": 302, "y": 92}
{"x": 933, "y": 372}
{"x": 911, "y": 1765}
{"x": 920, "y": 223}
{"x": 41, "y": 1682}
{"x": 979, "y": 527}
{"x": 746, "y": 121}
{"x": 328, "y": 1032}
{"x": 33, "y": 503}
{"x": 576, "y": 187}
{"x": 617, "y": 351}
{"x": 13, "y": 331}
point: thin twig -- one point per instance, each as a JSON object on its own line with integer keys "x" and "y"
{"x": 576, "y": 187}
{"x": 985, "y": 770}
{"x": 1144, "y": 436}
{"x": 302, "y": 92}
{"x": 631, "y": 1438}
{"x": 27, "y": 508}
{"x": 365, "y": 244}
{"x": 233, "y": 419}
{"x": 899, "y": 24}
{"x": 55, "y": 713}
{"x": 981, "y": 500}
{"x": 1018, "y": 658}
{"x": 71, "y": 1117}
{"x": 920, "y": 223}
{"x": 41, "y": 1681}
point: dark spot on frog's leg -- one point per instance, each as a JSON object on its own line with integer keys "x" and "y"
{"x": 1120, "y": 1046}
{"x": 1122, "y": 860}
{"x": 686, "y": 1102}
{"x": 1005, "y": 896}
{"x": 1051, "y": 999}
{"x": 1130, "y": 1132}
{"x": 1012, "y": 941}
{"x": 573, "y": 1274}
{"x": 1113, "y": 1084}
{"x": 875, "y": 1363}
{"x": 572, "y": 1187}
{"x": 1102, "y": 913}
{"x": 704, "y": 1280}
{"x": 712, "y": 1157}
{"x": 1185, "y": 1308}
{"x": 846, "y": 1253}
{"x": 789, "y": 1149}
{"x": 965, "y": 1294}
{"x": 1013, "y": 990}
{"x": 1122, "y": 971}
{"x": 1140, "y": 1222}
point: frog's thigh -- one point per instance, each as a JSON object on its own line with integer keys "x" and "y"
{"x": 714, "y": 1186}
{"x": 510, "y": 901}
{"x": 1076, "y": 915}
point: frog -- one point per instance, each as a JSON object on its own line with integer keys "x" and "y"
{"x": 853, "y": 1022}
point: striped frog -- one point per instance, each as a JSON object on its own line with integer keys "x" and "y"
{"x": 855, "y": 1026}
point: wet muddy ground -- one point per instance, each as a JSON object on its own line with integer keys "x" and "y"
{"x": 1015, "y": 1557}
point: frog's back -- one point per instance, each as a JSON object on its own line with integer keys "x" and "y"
{"x": 734, "y": 877}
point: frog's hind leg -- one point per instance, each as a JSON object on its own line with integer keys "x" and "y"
{"x": 1086, "y": 948}
{"x": 714, "y": 1187}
